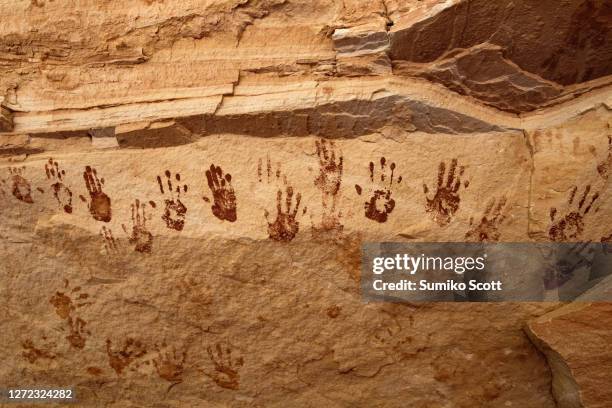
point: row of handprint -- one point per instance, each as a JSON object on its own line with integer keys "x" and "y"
{"x": 441, "y": 196}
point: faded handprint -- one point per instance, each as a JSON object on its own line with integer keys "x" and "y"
{"x": 330, "y": 168}
{"x": 21, "y": 189}
{"x": 566, "y": 263}
{"x": 62, "y": 194}
{"x": 140, "y": 237}
{"x": 100, "y": 203}
{"x": 120, "y": 358}
{"x": 487, "y": 229}
{"x": 175, "y": 210}
{"x": 110, "y": 243}
{"x": 605, "y": 167}
{"x": 169, "y": 364}
{"x": 66, "y": 305}
{"x": 446, "y": 200}
{"x": 380, "y": 203}
{"x": 78, "y": 332}
{"x": 329, "y": 181}
{"x": 33, "y": 353}
{"x": 68, "y": 301}
{"x": 226, "y": 368}
{"x": 571, "y": 225}
{"x": 285, "y": 226}
{"x": 224, "y": 196}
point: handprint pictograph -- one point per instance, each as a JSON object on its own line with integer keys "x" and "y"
{"x": 66, "y": 304}
{"x": 174, "y": 211}
{"x": 62, "y": 194}
{"x": 78, "y": 332}
{"x": 139, "y": 236}
{"x": 100, "y": 203}
{"x": 69, "y": 300}
{"x": 571, "y": 225}
{"x": 2, "y": 187}
{"x": 285, "y": 226}
{"x": 566, "y": 263}
{"x": 21, "y": 188}
{"x": 226, "y": 367}
{"x": 170, "y": 363}
{"x": 110, "y": 243}
{"x": 328, "y": 181}
{"x": 224, "y": 196}
{"x": 122, "y": 357}
{"x": 272, "y": 175}
{"x": 446, "y": 200}
{"x": 33, "y": 353}
{"x": 380, "y": 204}
{"x": 605, "y": 167}
{"x": 487, "y": 229}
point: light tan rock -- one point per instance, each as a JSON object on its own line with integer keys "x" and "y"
{"x": 575, "y": 340}
{"x": 185, "y": 188}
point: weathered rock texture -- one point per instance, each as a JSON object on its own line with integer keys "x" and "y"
{"x": 185, "y": 186}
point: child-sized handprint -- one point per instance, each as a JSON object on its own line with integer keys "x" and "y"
{"x": 285, "y": 226}
{"x": 224, "y": 196}
{"x": 175, "y": 210}
{"x": 226, "y": 368}
{"x": 120, "y": 358}
{"x": 62, "y": 194}
{"x": 605, "y": 167}
{"x": 330, "y": 168}
{"x": 328, "y": 181}
{"x": 140, "y": 236}
{"x": 110, "y": 243}
{"x": 100, "y": 203}
{"x": 380, "y": 204}
{"x": 78, "y": 333}
{"x": 487, "y": 229}
{"x": 169, "y": 364}
{"x": 21, "y": 189}
{"x": 571, "y": 225}
{"x": 446, "y": 200}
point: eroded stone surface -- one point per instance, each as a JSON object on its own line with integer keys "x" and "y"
{"x": 580, "y": 374}
{"x": 185, "y": 186}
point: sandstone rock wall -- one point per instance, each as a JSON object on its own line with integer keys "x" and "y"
{"x": 185, "y": 186}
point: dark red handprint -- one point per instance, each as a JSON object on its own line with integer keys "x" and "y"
{"x": 285, "y": 226}
{"x": 174, "y": 211}
{"x": 571, "y": 225}
{"x": 487, "y": 229}
{"x": 140, "y": 236}
{"x": 605, "y": 166}
{"x": 224, "y": 196}
{"x": 62, "y": 194}
{"x": 380, "y": 204}
{"x": 446, "y": 200}
{"x": 21, "y": 189}
{"x": 100, "y": 203}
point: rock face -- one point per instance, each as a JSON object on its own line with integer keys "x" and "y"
{"x": 185, "y": 187}
{"x": 581, "y": 375}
